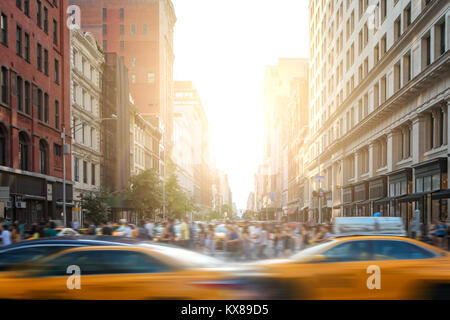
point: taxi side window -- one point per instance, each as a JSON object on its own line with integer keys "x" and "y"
{"x": 349, "y": 251}
{"x": 398, "y": 250}
{"x": 88, "y": 262}
{"x": 121, "y": 261}
{"x": 29, "y": 254}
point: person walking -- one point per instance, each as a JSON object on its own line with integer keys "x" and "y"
{"x": 149, "y": 227}
{"x": 246, "y": 243}
{"x": 233, "y": 242}
{"x": 127, "y": 231}
{"x": 185, "y": 233}
{"x": 210, "y": 243}
{"x": 50, "y": 230}
{"x": 263, "y": 241}
{"x": 34, "y": 231}
{"x": 6, "y": 235}
{"x": 106, "y": 229}
{"x": 15, "y": 233}
{"x": 201, "y": 238}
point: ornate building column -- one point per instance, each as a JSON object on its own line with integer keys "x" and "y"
{"x": 418, "y": 138}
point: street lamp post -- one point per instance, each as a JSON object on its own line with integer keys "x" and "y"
{"x": 67, "y": 151}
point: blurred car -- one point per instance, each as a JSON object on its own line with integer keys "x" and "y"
{"x": 341, "y": 268}
{"x": 119, "y": 228}
{"x": 67, "y": 232}
{"x": 145, "y": 271}
{"x": 28, "y": 251}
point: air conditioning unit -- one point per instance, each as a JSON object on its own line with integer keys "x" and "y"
{"x": 21, "y": 204}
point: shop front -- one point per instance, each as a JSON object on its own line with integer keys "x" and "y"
{"x": 362, "y": 205}
{"x": 347, "y": 201}
{"x": 378, "y": 192}
{"x": 34, "y": 197}
{"x": 400, "y": 187}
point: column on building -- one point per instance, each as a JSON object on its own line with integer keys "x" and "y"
{"x": 418, "y": 138}
{"x": 393, "y": 148}
{"x": 371, "y": 160}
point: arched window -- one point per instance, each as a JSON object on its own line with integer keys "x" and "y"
{"x": 2, "y": 146}
{"x": 43, "y": 157}
{"x": 23, "y": 151}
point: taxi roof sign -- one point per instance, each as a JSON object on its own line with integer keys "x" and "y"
{"x": 387, "y": 226}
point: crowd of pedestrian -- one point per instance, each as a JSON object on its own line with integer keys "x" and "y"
{"x": 230, "y": 239}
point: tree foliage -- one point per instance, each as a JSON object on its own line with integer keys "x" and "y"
{"x": 96, "y": 205}
{"x": 145, "y": 192}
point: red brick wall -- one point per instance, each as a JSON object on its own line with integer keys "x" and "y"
{"x": 144, "y": 47}
{"x": 15, "y": 121}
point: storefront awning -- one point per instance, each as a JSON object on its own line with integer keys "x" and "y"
{"x": 443, "y": 194}
{"x": 33, "y": 197}
{"x": 413, "y": 197}
{"x": 384, "y": 200}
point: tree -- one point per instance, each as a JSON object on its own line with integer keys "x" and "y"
{"x": 145, "y": 192}
{"x": 96, "y": 205}
{"x": 177, "y": 202}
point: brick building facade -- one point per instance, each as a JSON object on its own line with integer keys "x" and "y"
{"x": 34, "y": 107}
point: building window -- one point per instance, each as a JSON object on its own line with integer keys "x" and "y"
{"x": 2, "y": 147}
{"x": 133, "y": 61}
{"x": 133, "y": 29}
{"x": 39, "y": 57}
{"x": 440, "y": 34}
{"x": 76, "y": 169}
{"x": 122, "y": 45}
{"x": 27, "y": 97}
{"x": 45, "y": 20}
{"x": 426, "y": 51}
{"x": 55, "y": 32}
{"x": 39, "y": 104}
{"x": 144, "y": 29}
{"x": 122, "y": 29}
{"x": 58, "y": 150}
{"x": 43, "y": 155}
{"x": 19, "y": 93}
{"x": 26, "y": 7}
{"x": 397, "y": 79}
{"x": 105, "y": 45}
{"x": 383, "y": 46}
{"x": 122, "y": 13}
{"x": 4, "y": 82}
{"x": 93, "y": 174}
{"x": 105, "y": 31}
{"x": 397, "y": 29}
{"x": 407, "y": 16}
{"x": 46, "y": 62}
{"x": 4, "y": 27}
{"x": 133, "y": 78}
{"x": 39, "y": 13}
{"x": 104, "y": 13}
{"x": 407, "y": 67}
{"x": 56, "y": 114}
{"x": 85, "y": 174}
{"x": 56, "y": 71}
{"x": 383, "y": 10}
{"x": 19, "y": 40}
{"x": 27, "y": 47}
{"x": 441, "y": 127}
{"x": 23, "y": 151}
{"x": 46, "y": 108}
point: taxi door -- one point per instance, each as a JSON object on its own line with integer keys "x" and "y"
{"x": 341, "y": 272}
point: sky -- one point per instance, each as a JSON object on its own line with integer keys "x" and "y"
{"x": 224, "y": 46}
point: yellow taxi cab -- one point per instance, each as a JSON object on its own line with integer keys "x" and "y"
{"x": 118, "y": 230}
{"x": 364, "y": 267}
{"x": 145, "y": 271}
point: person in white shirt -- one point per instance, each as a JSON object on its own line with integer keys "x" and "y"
{"x": 127, "y": 232}
{"x": 149, "y": 228}
{"x": 5, "y": 236}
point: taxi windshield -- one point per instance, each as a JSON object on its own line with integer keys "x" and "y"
{"x": 306, "y": 253}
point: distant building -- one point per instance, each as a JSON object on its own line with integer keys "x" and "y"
{"x": 116, "y": 134}
{"x": 86, "y": 112}
{"x": 191, "y": 151}
{"x": 142, "y": 33}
